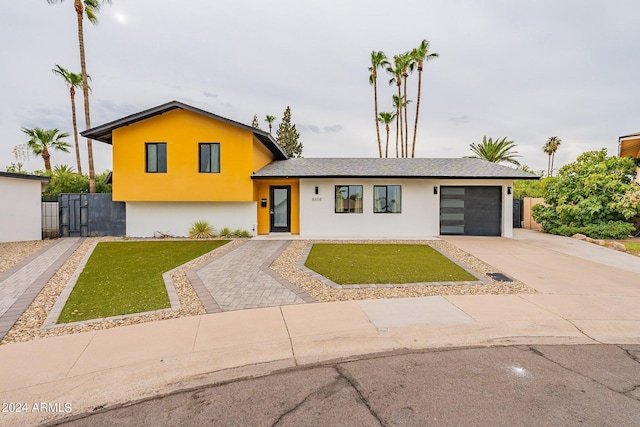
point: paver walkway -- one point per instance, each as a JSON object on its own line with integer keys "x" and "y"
{"x": 20, "y": 284}
{"x": 241, "y": 278}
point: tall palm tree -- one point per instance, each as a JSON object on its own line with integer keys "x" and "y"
{"x": 387, "y": 118}
{"x": 420, "y": 55}
{"x": 550, "y": 147}
{"x": 42, "y": 140}
{"x": 270, "y": 119}
{"x": 407, "y": 64}
{"x": 547, "y": 150}
{"x": 496, "y": 151}
{"x": 89, "y": 8}
{"x": 378, "y": 60}
{"x": 72, "y": 80}
{"x": 395, "y": 71}
{"x": 399, "y": 103}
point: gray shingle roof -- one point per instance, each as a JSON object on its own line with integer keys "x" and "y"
{"x": 466, "y": 168}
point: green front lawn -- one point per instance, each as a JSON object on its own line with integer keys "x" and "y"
{"x": 126, "y": 277}
{"x": 351, "y": 264}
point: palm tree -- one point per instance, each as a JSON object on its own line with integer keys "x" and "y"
{"x": 269, "y": 119}
{"x": 407, "y": 64}
{"x": 386, "y": 118}
{"x": 399, "y": 103}
{"x": 547, "y": 149}
{"x": 495, "y": 152}
{"x": 420, "y": 55}
{"x": 378, "y": 60}
{"x": 72, "y": 80}
{"x": 396, "y": 72}
{"x": 89, "y": 8}
{"x": 42, "y": 140}
{"x": 550, "y": 147}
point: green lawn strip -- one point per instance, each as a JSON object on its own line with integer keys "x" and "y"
{"x": 126, "y": 277}
{"x": 351, "y": 264}
{"x": 632, "y": 246}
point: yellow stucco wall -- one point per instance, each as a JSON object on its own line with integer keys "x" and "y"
{"x": 240, "y": 155}
{"x": 262, "y": 192}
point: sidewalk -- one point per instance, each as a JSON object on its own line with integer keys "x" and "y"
{"x": 580, "y": 302}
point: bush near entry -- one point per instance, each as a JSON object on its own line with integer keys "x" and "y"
{"x": 595, "y": 196}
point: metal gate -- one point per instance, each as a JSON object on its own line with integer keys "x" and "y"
{"x": 517, "y": 213}
{"x": 84, "y": 215}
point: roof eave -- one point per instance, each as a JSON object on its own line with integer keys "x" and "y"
{"x": 103, "y": 133}
{"x": 25, "y": 176}
{"x": 394, "y": 177}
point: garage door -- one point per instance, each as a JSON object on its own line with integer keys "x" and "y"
{"x": 472, "y": 211}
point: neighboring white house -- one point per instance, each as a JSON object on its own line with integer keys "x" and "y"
{"x": 20, "y": 206}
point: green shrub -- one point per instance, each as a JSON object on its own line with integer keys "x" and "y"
{"x": 201, "y": 230}
{"x": 594, "y": 196}
{"x": 608, "y": 230}
{"x": 242, "y": 233}
{"x": 225, "y": 232}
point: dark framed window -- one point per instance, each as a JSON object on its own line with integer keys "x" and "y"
{"x": 209, "y": 157}
{"x": 348, "y": 198}
{"x": 156, "y": 157}
{"x": 387, "y": 199}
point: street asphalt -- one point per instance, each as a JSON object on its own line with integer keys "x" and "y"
{"x": 498, "y": 386}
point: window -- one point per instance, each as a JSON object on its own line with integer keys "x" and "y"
{"x": 387, "y": 199}
{"x": 209, "y": 158}
{"x": 156, "y": 157}
{"x": 348, "y": 198}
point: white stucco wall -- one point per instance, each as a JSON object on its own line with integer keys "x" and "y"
{"x": 20, "y": 209}
{"x": 175, "y": 218}
{"x": 420, "y": 215}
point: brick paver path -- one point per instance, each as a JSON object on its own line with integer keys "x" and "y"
{"x": 241, "y": 278}
{"x": 20, "y": 284}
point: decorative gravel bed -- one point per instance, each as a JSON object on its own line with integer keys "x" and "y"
{"x": 285, "y": 265}
{"x": 12, "y": 253}
{"x": 28, "y": 326}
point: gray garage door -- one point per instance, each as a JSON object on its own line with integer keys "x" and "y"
{"x": 472, "y": 211}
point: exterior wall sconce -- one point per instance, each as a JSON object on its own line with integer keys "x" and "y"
{"x": 316, "y": 189}
{"x": 435, "y": 189}
{"x": 508, "y": 190}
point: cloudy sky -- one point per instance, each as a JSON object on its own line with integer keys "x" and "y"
{"x": 526, "y": 70}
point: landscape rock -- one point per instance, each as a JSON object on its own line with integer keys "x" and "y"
{"x": 617, "y": 246}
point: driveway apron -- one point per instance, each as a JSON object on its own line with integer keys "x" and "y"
{"x": 241, "y": 279}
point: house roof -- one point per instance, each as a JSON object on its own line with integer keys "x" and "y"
{"x": 104, "y": 132}
{"x": 631, "y": 135}
{"x": 25, "y": 176}
{"x": 461, "y": 168}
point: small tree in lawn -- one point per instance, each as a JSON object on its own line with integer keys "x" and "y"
{"x": 288, "y": 137}
{"x": 595, "y": 195}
